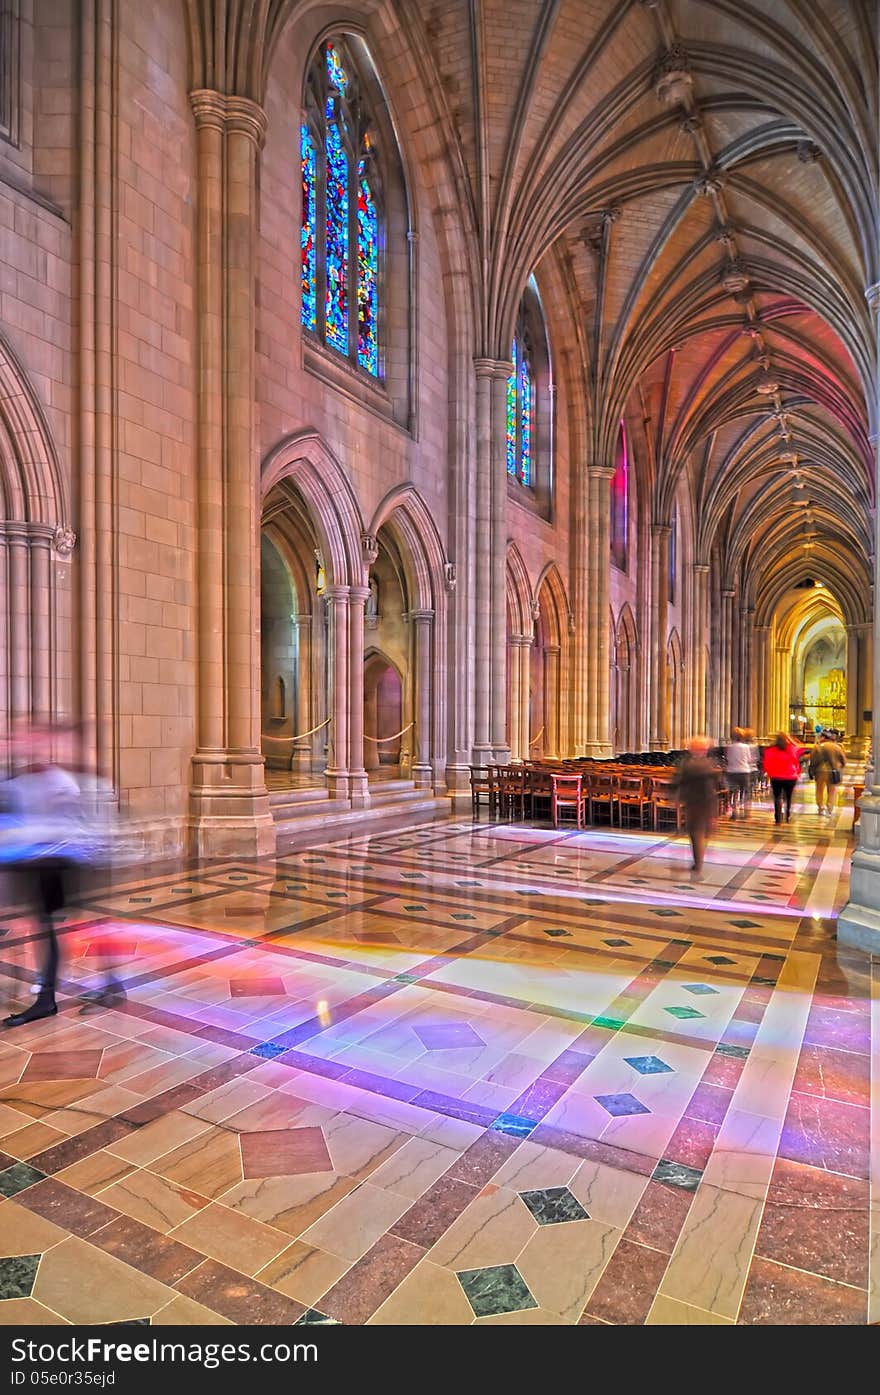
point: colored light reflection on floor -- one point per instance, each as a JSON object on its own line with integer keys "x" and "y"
{"x": 461, "y": 1074}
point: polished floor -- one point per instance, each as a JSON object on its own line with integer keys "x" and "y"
{"x": 454, "y": 1074}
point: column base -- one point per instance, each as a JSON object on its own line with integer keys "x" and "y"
{"x": 598, "y": 750}
{"x": 858, "y": 924}
{"x": 422, "y": 776}
{"x": 358, "y": 789}
{"x": 501, "y": 755}
{"x": 482, "y": 755}
{"x": 229, "y": 806}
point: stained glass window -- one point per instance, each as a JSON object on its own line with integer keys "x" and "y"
{"x": 620, "y": 504}
{"x": 308, "y": 255}
{"x": 520, "y": 412}
{"x": 368, "y": 274}
{"x": 342, "y": 215}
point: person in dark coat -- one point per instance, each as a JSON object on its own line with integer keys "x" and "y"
{"x": 697, "y": 784}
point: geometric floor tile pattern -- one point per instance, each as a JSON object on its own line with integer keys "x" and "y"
{"x": 452, "y": 1071}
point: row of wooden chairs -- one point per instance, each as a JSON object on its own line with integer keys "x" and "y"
{"x": 624, "y": 797}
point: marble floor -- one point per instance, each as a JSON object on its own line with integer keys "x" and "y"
{"x": 453, "y": 1074}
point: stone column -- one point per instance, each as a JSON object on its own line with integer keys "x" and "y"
{"x": 340, "y": 693}
{"x": 358, "y": 787}
{"x": 859, "y": 921}
{"x": 598, "y": 595}
{"x": 866, "y": 677}
{"x": 660, "y": 535}
{"x": 552, "y": 696}
{"x": 523, "y": 656}
{"x": 20, "y": 627}
{"x": 701, "y": 622}
{"x": 301, "y": 758}
{"x": 230, "y": 806}
{"x": 581, "y": 610}
{"x": 490, "y": 600}
{"x": 745, "y": 703}
{"x": 40, "y": 619}
{"x": 780, "y": 720}
{"x": 725, "y": 684}
{"x": 423, "y": 630}
{"x": 852, "y": 681}
{"x": 762, "y": 680}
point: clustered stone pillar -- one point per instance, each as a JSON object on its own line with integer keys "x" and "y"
{"x": 230, "y": 807}
{"x": 598, "y": 608}
{"x": 701, "y": 626}
{"x": 725, "y": 674}
{"x": 301, "y": 756}
{"x": 859, "y": 921}
{"x": 490, "y": 601}
{"x": 745, "y": 682}
{"x": 337, "y": 769}
{"x": 762, "y": 679}
{"x": 660, "y": 535}
{"x": 358, "y": 789}
{"x": 423, "y": 628}
{"x": 520, "y": 736}
{"x": 552, "y": 691}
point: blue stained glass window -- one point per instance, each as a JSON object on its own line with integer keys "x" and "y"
{"x": 520, "y": 414}
{"x": 368, "y": 275}
{"x": 336, "y": 74}
{"x": 342, "y": 217}
{"x": 336, "y": 258}
{"x": 511, "y": 414}
{"x": 308, "y": 249}
{"x": 525, "y": 439}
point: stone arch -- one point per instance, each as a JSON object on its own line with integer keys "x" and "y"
{"x": 520, "y": 600}
{"x": 674, "y": 690}
{"x": 550, "y": 709}
{"x": 308, "y": 462}
{"x": 624, "y": 681}
{"x": 404, "y": 514}
{"x": 35, "y": 541}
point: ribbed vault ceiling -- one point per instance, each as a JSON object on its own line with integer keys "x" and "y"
{"x": 701, "y": 178}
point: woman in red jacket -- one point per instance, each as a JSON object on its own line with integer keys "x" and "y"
{"x": 782, "y": 765}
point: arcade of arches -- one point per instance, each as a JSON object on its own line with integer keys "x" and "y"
{"x": 392, "y": 388}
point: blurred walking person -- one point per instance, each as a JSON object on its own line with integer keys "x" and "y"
{"x": 782, "y": 766}
{"x": 38, "y": 838}
{"x": 826, "y": 767}
{"x": 741, "y": 764}
{"x": 697, "y": 782}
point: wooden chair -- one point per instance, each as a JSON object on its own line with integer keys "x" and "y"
{"x": 664, "y": 802}
{"x": 482, "y": 787}
{"x": 540, "y": 787}
{"x": 512, "y": 783}
{"x": 601, "y": 794}
{"x": 568, "y": 793}
{"x": 633, "y": 798}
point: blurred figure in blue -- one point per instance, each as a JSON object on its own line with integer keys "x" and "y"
{"x": 40, "y": 817}
{"x": 57, "y": 831}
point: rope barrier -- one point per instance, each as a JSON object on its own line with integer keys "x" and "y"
{"x": 535, "y": 739}
{"x": 379, "y": 739}
{"x": 300, "y": 736}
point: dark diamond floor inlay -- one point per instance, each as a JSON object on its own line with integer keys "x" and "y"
{"x": 17, "y": 1178}
{"x": 677, "y": 1174}
{"x": 553, "y": 1205}
{"x": 647, "y": 1065}
{"x": 499, "y": 1289}
{"x": 17, "y": 1276}
{"x": 623, "y": 1104}
{"x": 698, "y": 988}
{"x": 683, "y": 1013}
{"x": 284, "y": 1153}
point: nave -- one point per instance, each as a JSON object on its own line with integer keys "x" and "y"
{"x": 454, "y": 1073}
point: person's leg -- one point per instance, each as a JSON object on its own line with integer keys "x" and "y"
{"x": 821, "y": 781}
{"x": 776, "y": 786}
{"x": 789, "y": 791}
{"x": 48, "y": 898}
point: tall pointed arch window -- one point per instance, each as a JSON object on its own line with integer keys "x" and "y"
{"x": 342, "y": 230}
{"x": 620, "y": 503}
{"x": 529, "y": 423}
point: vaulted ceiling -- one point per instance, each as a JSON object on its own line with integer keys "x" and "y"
{"x": 701, "y": 177}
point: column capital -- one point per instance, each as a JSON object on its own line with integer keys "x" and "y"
{"x": 863, "y": 627}
{"x": 872, "y": 296}
{"x": 493, "y": 367}
{"x": 358, "y": 594}
{"x": 223, "y": 113}
{"x": 338, "y": 593}
{"x": 701, "y": 568}
{"x": 601, "y": 472}
{"x": 423, "y": 617}
{"x": 661, "y": 530}
{"x": 521, "y": 641}
{"x": 728, "y": 593}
